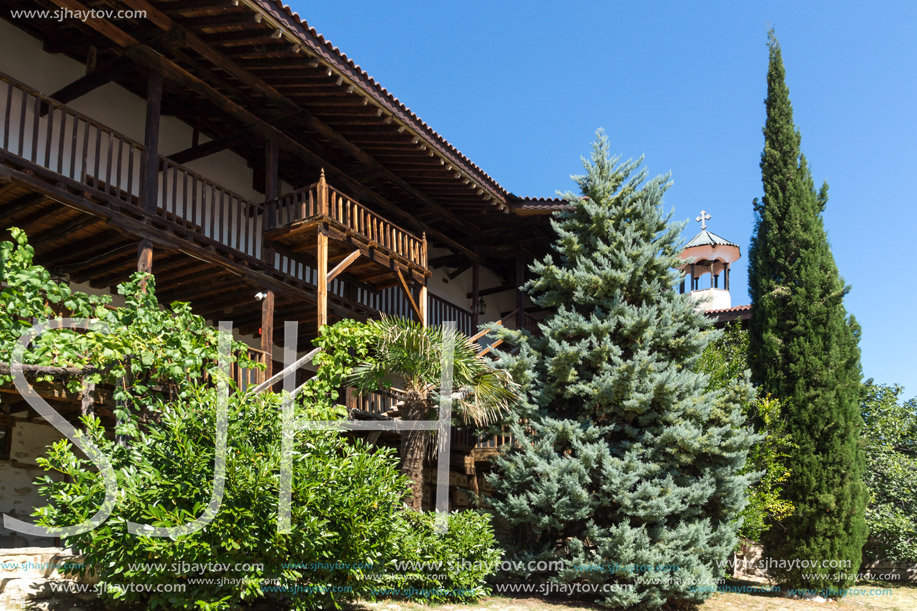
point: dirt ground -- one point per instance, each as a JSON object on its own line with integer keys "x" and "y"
{"x": 868, "y": 597}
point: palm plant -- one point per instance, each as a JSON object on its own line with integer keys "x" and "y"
{"x": 409, "y": 355}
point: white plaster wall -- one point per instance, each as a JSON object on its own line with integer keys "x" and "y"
{"x": 711, "y": 299}
{"x": 18, "y": 494}
{"x": 456, "y": 291}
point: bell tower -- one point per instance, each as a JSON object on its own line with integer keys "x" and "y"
{"x": 708, "y": 253}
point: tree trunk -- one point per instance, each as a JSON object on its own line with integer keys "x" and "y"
{"x": 413, "y": 448}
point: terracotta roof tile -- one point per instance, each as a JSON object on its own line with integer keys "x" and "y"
{"x": 741, "y": 308}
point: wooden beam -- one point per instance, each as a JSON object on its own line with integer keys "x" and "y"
{"x": 423, "y": 286}
{"x": 481, "y": 334}
{"x": 409, "y": 294}
{"x": 475, "y": 296}
{"x": 221, "y": 20}
{"x": 241, "y": 38}
{"x": 520, "y": 296}
{"x": 271, "y": 170}
{"x": 252, "y": 271}
{"x": 118, "y": 251}
{"x": 199, "y": 5}
{"x": 340, "y": 267}
{"x": 51, "y": 370}
{"x": 490, "y": 347}
{"x": 144, "y": 260}
{"x": 149, "y": 164}
{"x": 493, "y": 291}
{"x": 87, "y": 398}
{"x": 102, "y": 26}
{"x": 267, "y": 331}
{"x": 460, "y": 270}
{"x": 93, "y": 80}
{"x": 321, "y": 283}
{"x": 145, "y": 256}
{"x": 23, "y": 203}
{"x": 65, "y": 230}
{"x": 321, "y": 257}
{"x": 196, "y": 151}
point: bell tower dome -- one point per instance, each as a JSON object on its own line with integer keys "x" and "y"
{"x": 708, "y": 253}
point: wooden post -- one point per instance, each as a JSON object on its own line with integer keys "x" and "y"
{"x": 322, "y": 194}
{"x": 520, "y": 296}
{"x": 423, "y": 287}
{"x": 267, "y": 332}
{"x": 196, "y": 132}
{"x": 271, "y": 183}
{"x": 87, "y": 398}
{"x": 144, "y": 260}
{"x": 149, "y": 166}
{"x": 475, "y": 287}
{"x": 271, "y": 170}
{"x": 321, "y": 289}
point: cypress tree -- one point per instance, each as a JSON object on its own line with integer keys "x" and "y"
{"x": 804, "y": 350}
{"x": 626, "y": 468}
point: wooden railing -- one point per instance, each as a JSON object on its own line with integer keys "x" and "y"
{"x": 439, "y": 311}
{"x": 495, "y": 441}
{"x": 244, "y": 377}
{"x": 320, "y": 199}
{"x": 208, "y": 209}
{"x": 49, "y": 134}
{"x": 376, "y": 403}
{"x": 530, "y": 324}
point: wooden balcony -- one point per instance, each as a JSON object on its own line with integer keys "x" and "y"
{"x": 332, "y": 232}
{"x": 296, "y": 219}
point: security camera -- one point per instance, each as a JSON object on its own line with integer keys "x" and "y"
{"x": 259, "y": 296}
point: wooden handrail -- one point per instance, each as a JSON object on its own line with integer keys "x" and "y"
{"x": 56, "y": 137}
{"x": 481, "y": 334}
{"x": 323, "y": 200}
{"x": 289, "y": 369}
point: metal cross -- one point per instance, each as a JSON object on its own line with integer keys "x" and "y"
{"x": 703, "y": 218}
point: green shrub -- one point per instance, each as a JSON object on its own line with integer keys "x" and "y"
{"x": 345, "y": 344}
{"x": 343, "y": 502}
{"x": 890, "y": 434}
{"x": 725, "y": 361}
{"x": 347, "y": 500}
{"x": 150, "y": 351}
{"x": 433, "y": 567}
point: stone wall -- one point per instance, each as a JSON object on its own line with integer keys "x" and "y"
{"x": 18, "y": 494}
{"x": 25, "y": 573}
{"x": 750, "y": 558}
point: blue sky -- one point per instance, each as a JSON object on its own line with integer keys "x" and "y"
{"x": 520, "y": 87}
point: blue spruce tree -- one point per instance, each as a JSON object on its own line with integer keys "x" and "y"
{"x": 626, "y": 467}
